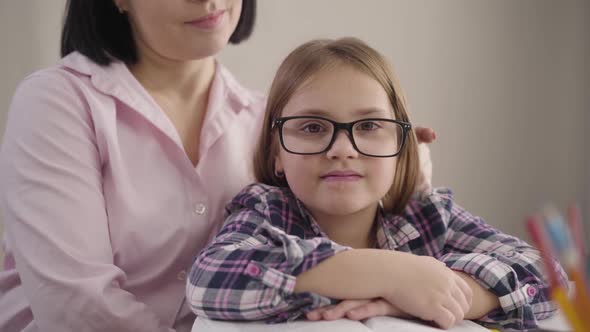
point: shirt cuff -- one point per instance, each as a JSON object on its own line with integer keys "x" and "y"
{"x": 499, "y": 278}
{"x": 294, "y": 304}
{"x": 281, "y": 287}
{"x": 270, "y": 277}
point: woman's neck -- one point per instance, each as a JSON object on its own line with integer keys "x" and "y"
{"x": 354, "y": 230}
{"x": 184, "y": 80}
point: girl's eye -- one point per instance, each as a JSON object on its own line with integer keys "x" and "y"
{"x": 369, "y": 125}
{"x": 312, "y": 128}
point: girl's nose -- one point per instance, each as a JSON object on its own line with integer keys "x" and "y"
{"x": 342, "y": 147}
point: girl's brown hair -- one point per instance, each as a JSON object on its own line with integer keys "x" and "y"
{"x": 299, "y": 66}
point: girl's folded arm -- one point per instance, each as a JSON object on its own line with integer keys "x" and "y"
{"x": 505, "y": 265}
{"x": 255, "y": 271}
{"x": 250, "y": 269}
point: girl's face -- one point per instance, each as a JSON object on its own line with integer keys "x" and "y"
{"x": 181, "y": 29}
{"x": 340, "y": 181}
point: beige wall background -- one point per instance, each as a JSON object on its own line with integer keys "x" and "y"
{"x": 29, "y": 40}
{"x": 505, "y": 84}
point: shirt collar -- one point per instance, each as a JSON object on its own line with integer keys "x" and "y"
{"x": 116, "y": 80}
{"x": 393, "y": 231}
{"x": 236, "y": 94}
{"x": 315, "y": 227}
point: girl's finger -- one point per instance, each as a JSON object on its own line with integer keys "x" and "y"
{"x": 316, "y": 314}
{"x": 339, "y": 311}
{"x": 461, "y": 298}
{"x": 373, "y": 309}
{"x": 444, "y": 318}
{"x": 454, "y": 307}
{"x": 467, "y": 291}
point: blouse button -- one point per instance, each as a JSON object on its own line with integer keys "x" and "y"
{"x": 181, "y": 275}
{"x": 200, "y": 208}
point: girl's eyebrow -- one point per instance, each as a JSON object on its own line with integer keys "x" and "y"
{"x": 373, "y": 111}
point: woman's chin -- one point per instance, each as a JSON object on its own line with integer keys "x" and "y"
{"x": 203, "y": 48}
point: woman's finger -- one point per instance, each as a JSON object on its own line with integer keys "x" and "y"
{"x": 425, "y": 135}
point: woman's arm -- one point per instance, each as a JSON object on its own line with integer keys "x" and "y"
{"x": 55, "y": 217}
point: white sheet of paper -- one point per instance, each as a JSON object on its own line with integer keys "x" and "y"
{"x": 555, "y": 323}
{"x": 341, "y": 325}
{"x": 389, "y": 324}
{"x": 377, "y": 324}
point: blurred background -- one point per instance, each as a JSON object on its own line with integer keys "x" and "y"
{"x": 505, "y": 84}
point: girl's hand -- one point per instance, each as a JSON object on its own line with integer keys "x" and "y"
{"x": 484, "y": 301}
{"x": 356, "y": 310}
{"x": 425, "y": 288}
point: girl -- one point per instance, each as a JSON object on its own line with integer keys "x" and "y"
{"x": 333, "y": 217}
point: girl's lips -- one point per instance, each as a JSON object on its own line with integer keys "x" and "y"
{"x": 343, "y": 178}
{"x": 210, "y": 21}
{"x": 345, "y": 175}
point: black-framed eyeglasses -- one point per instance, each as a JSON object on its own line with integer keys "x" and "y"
{"x": 373, "y": 137}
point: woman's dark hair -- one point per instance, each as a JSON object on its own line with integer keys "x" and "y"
{"x": 96, "y": 29}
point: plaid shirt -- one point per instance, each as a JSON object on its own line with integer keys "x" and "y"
{"x": 249, "y": 271}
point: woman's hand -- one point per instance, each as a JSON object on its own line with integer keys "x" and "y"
{"x": 427, "y": 289}
{"x": 356, "y": 310}
{"x": 425, "y": 136}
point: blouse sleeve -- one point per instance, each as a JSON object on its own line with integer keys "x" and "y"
{"x": 54, "y": 213}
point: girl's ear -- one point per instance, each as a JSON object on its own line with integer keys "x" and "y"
{"x": 278, "y": 165}
{"x": 121, "y": 5}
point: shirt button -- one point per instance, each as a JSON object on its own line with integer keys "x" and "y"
{"x": 181, "y": 275}
{"x": 531, "y": 291}
{"x": 252, "y": 270}
{"x": 200, "y": 208}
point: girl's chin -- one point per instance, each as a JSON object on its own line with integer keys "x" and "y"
{"x": 343, "y": 206}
